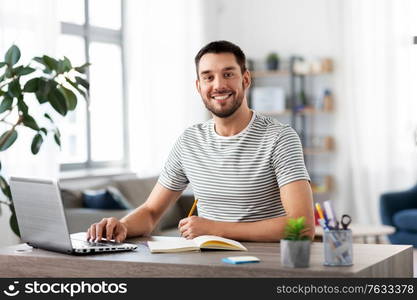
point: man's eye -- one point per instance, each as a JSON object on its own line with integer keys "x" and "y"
{"x": 228, "y": 75}
{"x": 208, "y": 78}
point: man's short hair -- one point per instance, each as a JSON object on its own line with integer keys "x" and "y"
{"x": 222, "y": 47}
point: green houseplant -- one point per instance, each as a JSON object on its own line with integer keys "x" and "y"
{"x": 49, "y": 80}
{"x": 272, "y": 61}
{"x": 296, "y": 244}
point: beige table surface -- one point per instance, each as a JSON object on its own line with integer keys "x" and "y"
{"x": 370, "y": 260}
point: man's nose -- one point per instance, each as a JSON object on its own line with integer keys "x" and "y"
{"x": 219, "y": 83}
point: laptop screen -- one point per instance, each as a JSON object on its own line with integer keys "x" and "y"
{"x": 40, "y": 213}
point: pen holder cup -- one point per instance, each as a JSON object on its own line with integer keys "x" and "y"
{"x": 338, "y": 250}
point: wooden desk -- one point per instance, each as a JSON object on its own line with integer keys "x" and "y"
{"x": 369, "y": 261}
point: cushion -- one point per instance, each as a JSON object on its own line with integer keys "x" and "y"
{"x": 71, "y": 198}
{"x": 406, "y": 219}
{"x": 136, "y": 190}
{"x": 109, "y": 198}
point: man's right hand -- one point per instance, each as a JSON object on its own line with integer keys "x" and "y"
{"x": 109, "y": 228}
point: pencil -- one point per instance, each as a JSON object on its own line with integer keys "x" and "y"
{"x": 318, "y": 207}
{"x": 193, "y": 208}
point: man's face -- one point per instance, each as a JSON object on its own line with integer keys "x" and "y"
{"x": 221, "y": 84}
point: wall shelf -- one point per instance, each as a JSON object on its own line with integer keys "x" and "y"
{"x": 300, "y": 113}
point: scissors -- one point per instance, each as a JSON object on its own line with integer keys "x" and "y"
{"x": 345, "y": 220}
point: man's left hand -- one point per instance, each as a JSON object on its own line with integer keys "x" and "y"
{"x": 194, "y": 226}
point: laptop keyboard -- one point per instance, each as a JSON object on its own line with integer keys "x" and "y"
{"x": 85, "y": 244}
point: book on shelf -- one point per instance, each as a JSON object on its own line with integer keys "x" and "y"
{"x": 181, "y": 244}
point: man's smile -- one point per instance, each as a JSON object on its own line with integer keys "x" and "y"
{"x": 221, "y": 97}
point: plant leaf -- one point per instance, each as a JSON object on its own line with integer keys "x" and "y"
{"x": 14, "y": 88}
{"x": 48, "y": 117}
{"x": 12, "y": 55}
{"x": 9, "y": 72}
{"x": 5, "y": 188}
{"x": 57, "y": 137}
{"x": 295, "y": 229}
{"x": 13, "y": 221}
{"x": 21, "y": 105}
{"x": 40, "y": 60}
{"x": 31, "y": 86}
{"x": 69, "y": 97}
{"x": 9, "y": 141}
{"x": 83, "y": 82}
{"x": 6, "y": 104}
{"x": 24, "y": 70}
{"x": 50, "y": 62}
{"x": 30, "y": 122}
{"x": 45, "y": 87}
{"x": 67, "y": 64}
{"x": 2, "y": 64}
{"x": 77, "y": 88}
{"x": 82, "y": 69}
{"x": 57, "y": 100}
{"x": 36, "y": 143}
{"x": 44, "y": 131}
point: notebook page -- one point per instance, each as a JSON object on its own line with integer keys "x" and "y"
{"x": 218, "y": 241}
{"x": 172, "y": 245}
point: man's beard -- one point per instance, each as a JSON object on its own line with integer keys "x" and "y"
{"x": 237, "y": 102}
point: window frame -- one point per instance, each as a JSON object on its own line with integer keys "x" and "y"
{"x": 90, "y": 34}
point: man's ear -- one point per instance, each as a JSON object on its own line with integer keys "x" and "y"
{"x": 197, "y": 85}
{"x": 247, "y": 80}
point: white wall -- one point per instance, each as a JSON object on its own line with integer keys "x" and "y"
{"x": 304, "y": 27}
{"x": 162, "y": 38}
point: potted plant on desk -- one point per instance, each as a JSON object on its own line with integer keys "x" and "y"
{"x": 295, "y": 246}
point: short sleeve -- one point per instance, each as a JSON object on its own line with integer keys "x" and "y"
{"x": 173, "y": 176}
{"x": 288, "y": 159}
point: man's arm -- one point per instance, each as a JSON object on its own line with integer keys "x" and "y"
{"x": 139, "y": 222}
{"x": 143, "y": 219}
{"x": 297, "y": 200}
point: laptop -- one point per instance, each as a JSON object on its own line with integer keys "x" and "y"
{"x": 42, "y": 221}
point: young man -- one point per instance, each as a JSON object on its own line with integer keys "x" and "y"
{"x": 247, "y": 171}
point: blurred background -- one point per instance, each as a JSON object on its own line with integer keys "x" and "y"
{"x": 341, "y": 72}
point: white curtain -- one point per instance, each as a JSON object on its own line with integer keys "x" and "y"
{"x": 162, "y": 38}
{"x": 33, "y": 27}
{"x": 377, "y": 112}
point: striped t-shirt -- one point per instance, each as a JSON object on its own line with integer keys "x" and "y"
{"x": 236, "y": 178}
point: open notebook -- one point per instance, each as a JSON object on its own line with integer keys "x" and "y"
{"x": 202, "y": 242}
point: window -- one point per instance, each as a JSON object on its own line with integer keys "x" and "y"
{"x": 95, "y": 136}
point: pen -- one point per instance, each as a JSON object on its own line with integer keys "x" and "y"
{"x": 330, "y": 213}
{"x": 193, "y": 208}
{"x": 319, "y": 211}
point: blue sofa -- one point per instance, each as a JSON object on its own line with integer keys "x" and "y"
{"x": 399, "y": 209}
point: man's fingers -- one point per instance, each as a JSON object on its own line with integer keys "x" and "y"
{"x": 93, "y": 232}
{"x": 110, "y": 228}
{"x": 120, "y": 232}
{"x": 182, "y": 222}
{"x": 187, "y": 234}
{"x": 120, "y": 236}
{"x": 183, "y": 228}
{"x": 100, "y": 226}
